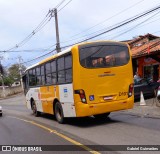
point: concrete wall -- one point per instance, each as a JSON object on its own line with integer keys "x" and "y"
{"x": 10, "y": 91}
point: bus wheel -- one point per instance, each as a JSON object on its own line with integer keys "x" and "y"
{"x": 59, "y": 113}
{"x": 102, "y": 116}
{"x": 34, "y": 109}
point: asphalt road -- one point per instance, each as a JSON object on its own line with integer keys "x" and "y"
{"x": 20, "y": 127}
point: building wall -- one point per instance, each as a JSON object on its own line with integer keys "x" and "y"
{"x": 10, "y": 91}
{"x": 148, "y": 68}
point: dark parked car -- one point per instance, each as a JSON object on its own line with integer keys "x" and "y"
{"x": 0, "y": 111}
{"x": 146, "y": 86}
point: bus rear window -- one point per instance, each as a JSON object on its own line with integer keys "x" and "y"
{"x": 104, "y": 56}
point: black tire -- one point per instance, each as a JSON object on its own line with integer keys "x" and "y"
{"x": 0, "y": 114}
{"x": 102, "y": 116}
{"x": 59, "y": 113}
{"x": 34, "y": 109}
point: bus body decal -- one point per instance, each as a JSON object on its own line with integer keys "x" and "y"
{"x": 66, "y": 99}
{"x": 35, "y": 94}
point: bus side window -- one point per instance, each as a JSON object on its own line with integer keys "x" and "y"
{"x": 60, "y": 71}
{"x": 38, "y": 77}
{"x": 68, "y": 68}
{"x": 42, "y": 75}
{"x": 32, "y": 78}
{"x": 48, "y": 73}
{"x": 53, "y": 72}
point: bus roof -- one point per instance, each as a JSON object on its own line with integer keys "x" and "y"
{"x": 50, "y": 58}
{"x": 69, "y": 49}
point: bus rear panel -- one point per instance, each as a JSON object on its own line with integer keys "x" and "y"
{"x": 103, "y": 79}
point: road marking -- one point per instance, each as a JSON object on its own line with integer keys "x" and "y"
{"x": 58, "y": 134}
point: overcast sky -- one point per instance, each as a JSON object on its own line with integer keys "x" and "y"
{"x": 78, "y": 20}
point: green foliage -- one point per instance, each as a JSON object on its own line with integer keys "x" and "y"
{"x": 8, "y": 81}
{"x": 12, "y": 75}
{"x": 14, "y": 72}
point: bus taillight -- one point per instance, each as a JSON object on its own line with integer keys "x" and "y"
{"x": 82, "y": 95}
{"x": 130, "y": 92}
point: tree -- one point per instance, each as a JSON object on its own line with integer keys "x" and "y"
{"x": 1, "y": 69}
{"x": 8, "y": 81}
{"x": 11, "y": 75}
{"x": 1, "y": 75}
{"x": 14, "y": 72}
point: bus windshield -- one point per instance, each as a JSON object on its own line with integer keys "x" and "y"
{"x": 104, "y": 56}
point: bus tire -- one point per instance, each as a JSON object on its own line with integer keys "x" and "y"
{"x": 59, "y": 113}
{"x": 102, "y": 116}
{"x": 34, "y": 109}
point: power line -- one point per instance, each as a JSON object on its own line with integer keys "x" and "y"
{"x": 23, "y": 51}
{"x": 39, "y": 57}
{"x": 130, "y": 28}
{"x": 64, "y": 6}
{"x": 44, "y": 21}
{"x": 104, "y": 20}
{"x": 123, "y": 23}
{"x": 113, "y": 28}
{"x": 30, "y": 50}
{"x": 39, "y": 27}
{"x": 42, "y": 24}
{"x": 60, "y": 4}
{"x": 136, "y": 25}
{"x": 117, "y": 25}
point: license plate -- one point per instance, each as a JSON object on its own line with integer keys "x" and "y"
{"x": 108, "y": 98}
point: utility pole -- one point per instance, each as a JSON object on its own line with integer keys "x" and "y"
{"x": 20, "y": 71}
{"x": 57, "y": 31}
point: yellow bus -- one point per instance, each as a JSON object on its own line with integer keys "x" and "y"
{"x": 88, "y": 79}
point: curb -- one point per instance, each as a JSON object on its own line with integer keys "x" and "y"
{"x": 11, "y": 96}
{"x": 142, "y": 116}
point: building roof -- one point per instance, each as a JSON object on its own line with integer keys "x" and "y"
{"x": 148, "y": 48}
{"x": 140, "y": 37}
{"x": 140, "y": 48}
